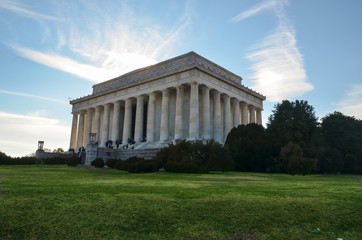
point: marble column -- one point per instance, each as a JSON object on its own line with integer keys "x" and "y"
{"x": 194, "y": 111}
{"x": 105, "y": 125}
{"x": 227, "y": 116}
{"x": 97, "y": 122}
{"x": 244, "y": 113}
{"x": 115, "y": 120}
{"x": 150, "y": 135}
{"x": 252, "y": 113}
{"x": 73, "y": 133}
{"x": 236, "y": 112}
{"x": 88, "y": 126}
{"x": 206, "y": 113}
{"x": 139, "y": 119}
{"x": 127, "y": 126}
{"x": 164, "y": 115}
{"x": 217, "y": 117}
{"x": 80, "y": 137}
{"x": 258, "y": 116}
{"x": 179, "y": 115}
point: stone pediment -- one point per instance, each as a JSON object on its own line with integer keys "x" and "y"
{"x": 167, "y": 68}
{"x": 175, "y": 65}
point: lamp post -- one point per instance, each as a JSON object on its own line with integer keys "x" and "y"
{"x": 92, "y": 137}
{"x": 40, "y": 145}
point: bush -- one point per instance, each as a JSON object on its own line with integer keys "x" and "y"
{"x": 98, "y": 163}
{"x": 73, "y": 161}
{"x": 120, "y": 165}
{"x": 185, "y": 166}
{"x": 111, "y": 163}
{"x": 331, "y": 160}
{"x": 352, "y": 164}
{"x": 250, "y": 148}
{"x": 55, "y": 160}
{"x": 218, "y": 158}
{"x": 193, "y": 157}
{"x": 293, "y": 161}
{"x": 139, "y": 165}
{"x": 19, "y": 161}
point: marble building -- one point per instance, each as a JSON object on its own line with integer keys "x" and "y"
{"x": 186, "y": 97}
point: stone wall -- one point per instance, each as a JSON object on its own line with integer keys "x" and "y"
{"x": 93, "y": 152}
{"x": 41, "y": 154}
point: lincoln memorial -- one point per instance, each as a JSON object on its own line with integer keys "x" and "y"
{"x": 186, "y": 97}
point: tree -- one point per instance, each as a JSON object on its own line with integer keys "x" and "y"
{"x": 59, "y": 150}
{"x": 344, "y": 133}
{"x": 292, "y": 160}
{"x": 293, "y": 122}
{"x": 250, "y": 147}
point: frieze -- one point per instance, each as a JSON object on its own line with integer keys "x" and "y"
{"x": 169, "y": 67}
{"x": 181, "y": 64}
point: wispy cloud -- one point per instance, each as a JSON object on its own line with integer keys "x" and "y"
{"x": 255, "y": 10}
{"x": 33, "y": 96}
{"x": 98, "y": 46}
{"x": 66, "y": 64}
{"x": 352, "y": 103}
{"x": 21, "y": 133}
{"x": 278, "y": 69}
{"x": 17, "y": 8}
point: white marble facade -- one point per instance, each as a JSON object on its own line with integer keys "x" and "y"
{"x": 187, "y": 97}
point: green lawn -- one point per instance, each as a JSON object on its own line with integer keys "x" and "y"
{"x": 59, "y": 202}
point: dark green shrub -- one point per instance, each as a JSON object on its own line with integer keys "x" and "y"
{"x": 27, "y": 160}
{"x": 193, "y": 157}
{"x": 250, "y": 147}
{"x": 129, "y": 161}
{"x": 98, "y": 163}
{"x": 111, "y": 163}
{"x": 4, "y": 159}
{"x": 55, "y": 160}
{"x": 73, "y": 161}
{"x": 120, "y": 165}
{"x": 20, "y": 161}
{"x": 7, "y": 160}
{"x": 352, "y": 164}
{"x": 185, "y": 167}
{"x": 218, "y": 158}
{"x": 292, "y": 160}
{"x": 331, "y": 160}
{"x": 138, "y": 165}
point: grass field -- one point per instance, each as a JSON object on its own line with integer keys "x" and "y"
{"x": 59, "y": 202}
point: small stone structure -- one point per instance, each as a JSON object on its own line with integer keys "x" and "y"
{"x": 40, "y": 153}
{"x": 93, "y": 152}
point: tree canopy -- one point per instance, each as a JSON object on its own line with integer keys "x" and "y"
{"x": 343, "y": 132}
{"x": 249, "y": 146}
{"x": 293, "y": 122}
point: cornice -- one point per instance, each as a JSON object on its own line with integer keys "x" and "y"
{"x": 166, "y": 68}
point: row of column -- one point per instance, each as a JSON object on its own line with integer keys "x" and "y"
{"x": 249, "y": 114}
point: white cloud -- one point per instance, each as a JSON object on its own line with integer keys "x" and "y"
{"x": 22, "y": 11}
{"x": 20, "y": 133}
{"x": 34, "y": 96}
{"x": 98, "y": 46}
{"x": 352, "y": 103}
{"x": 66, "y": 64}
{"x": 278, "y": 69}
{"x": 255, "y": 10}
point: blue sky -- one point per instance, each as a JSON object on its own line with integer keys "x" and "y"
{"x": 53, "y": 50}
